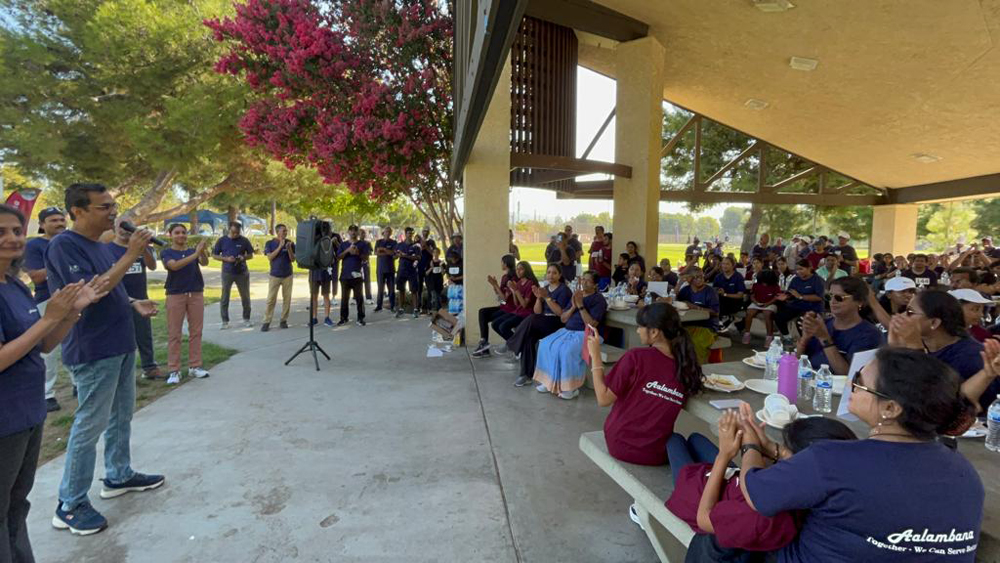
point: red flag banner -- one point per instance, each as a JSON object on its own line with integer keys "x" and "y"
{"x": 23, "y": 201}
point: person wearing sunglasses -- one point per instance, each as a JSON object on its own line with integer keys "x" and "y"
{"x": 934, "y": 322}
{"x": 834, "y": 341}
{"x": 873, "y": 499}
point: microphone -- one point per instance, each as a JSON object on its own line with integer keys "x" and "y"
{"x": 129, "y": 227}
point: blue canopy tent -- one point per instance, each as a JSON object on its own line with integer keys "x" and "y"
{"x": 215, "y": 223}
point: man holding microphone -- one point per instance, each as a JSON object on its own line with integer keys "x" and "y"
{"x": 352, "y": 253}
{"x": 100, "y": 353}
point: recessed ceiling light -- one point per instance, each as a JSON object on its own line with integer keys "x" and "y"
{"x": 756, "y": 104}
{"x": 924, "y": 157}
{"x": 802, "y": 63}
{"x": 772, "y": 5}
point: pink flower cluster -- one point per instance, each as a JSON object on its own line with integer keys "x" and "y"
{"x": 360, "y": 89}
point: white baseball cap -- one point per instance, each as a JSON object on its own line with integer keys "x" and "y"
{"x": 969, "y": 296}
{"x": 807, "y": 239}
{"x": 843, "y": 235}
{"x": 899, "y": 283}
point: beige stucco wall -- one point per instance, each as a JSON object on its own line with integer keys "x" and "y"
{"x": 638, "y": 125}
{"x": 894, "y": 229}
{"x": 487, "y": 192}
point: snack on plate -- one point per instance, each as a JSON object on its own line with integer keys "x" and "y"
{"x": 719, "y": 381}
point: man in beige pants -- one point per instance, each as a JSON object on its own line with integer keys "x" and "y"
{"x": 281, "y": 252}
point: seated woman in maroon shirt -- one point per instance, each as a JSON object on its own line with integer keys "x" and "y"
{"x": 647, "y": 387}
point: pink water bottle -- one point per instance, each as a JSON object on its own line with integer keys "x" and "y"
{"x": 788, "y": 377}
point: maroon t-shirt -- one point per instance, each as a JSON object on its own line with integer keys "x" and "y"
{"x": 979, "y": 333}
{"x": 510, "y": 305}
{"x": 600, "y": 257}
{"x": 649, "y": 399}
{"x": 762, "y": 293}
{"x": 815, "y": 258}
{"x": 524, "y": 289}
{"x": 736, "y": 524}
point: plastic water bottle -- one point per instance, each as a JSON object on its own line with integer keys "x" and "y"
{"x": 993, "y": 426}
{"x": 823, "y": 399}
{"x": 771, "y": 360}
{"x": 805, "y": 378}
{"x": 945, "y": 279}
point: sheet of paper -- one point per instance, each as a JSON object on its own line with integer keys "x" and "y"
{"x": 433, "y": 352}
{"x": 859, "y": 361}
{"x": 723, "y": 404}
{"x": 659, "y": 288}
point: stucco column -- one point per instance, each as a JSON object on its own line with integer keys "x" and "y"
{"x": 894, "y": 229}
{"x": 487, "y": 187}
{"x": 638, "y": 138}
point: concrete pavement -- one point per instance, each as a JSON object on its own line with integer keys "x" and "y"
{"x": 383, "y": 455}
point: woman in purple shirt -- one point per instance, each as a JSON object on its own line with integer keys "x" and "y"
{"x": 550, "y": 302}
{"x": 26, "y": 333}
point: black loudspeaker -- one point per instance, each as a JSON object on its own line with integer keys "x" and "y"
{"x": 314, "y": 244}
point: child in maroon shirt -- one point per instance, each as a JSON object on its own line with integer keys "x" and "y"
{"x": 727, "y": 528}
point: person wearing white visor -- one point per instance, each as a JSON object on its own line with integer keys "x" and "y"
{"x": 973, "y": 304}
{"x": 898, "y": 292}
{"x": 848, "y": 255}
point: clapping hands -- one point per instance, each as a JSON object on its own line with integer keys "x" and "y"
{"x": 730, "y": 435}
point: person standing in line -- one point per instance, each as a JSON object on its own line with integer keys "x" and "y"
{"x": 185, "y": 298}
{"x": 600, "y": 259}
{"x": 26, "y": 331}
{"x": 51, "y": 222}
{"x": 353, "y": 253}
{"x": 320, "y": 281}
{"x": 366, "y": 268}
{"x": 385, "y": 269}
{"x": 135, "y": 286}
{"x": 512, "y": 248}
{"x": 426, "y": 255}
{"x": 435, "y": 277}
{"x": 100, "y": 353}
{"x": 456, "y": 246}
{"x": 281, "y": 253}
{"x": 409, "y": 254}
{"x": 233, "y": 250}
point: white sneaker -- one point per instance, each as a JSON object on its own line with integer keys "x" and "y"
{"x": 634, "y": 515}
{"x": 248, "y": 323}
{"x": 569, "y": 394}
{"x": 541, "y": 388}
{"x": 500, "y": 349}
{"x": 174, "y": 378}
{"x": 198, "y": 372}
{"x": 225, "y": 325}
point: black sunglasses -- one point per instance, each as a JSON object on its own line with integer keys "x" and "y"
{"x": 855, "y": 385}
{"x": 837, "y": 298}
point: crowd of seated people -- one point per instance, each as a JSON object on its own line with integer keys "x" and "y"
{"x": 816, "y": 495}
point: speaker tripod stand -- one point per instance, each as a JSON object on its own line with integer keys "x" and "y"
{"x": 311, "y": 345}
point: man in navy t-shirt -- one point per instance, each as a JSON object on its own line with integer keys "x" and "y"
{"x": 51, "y": 222}
{"x": 135, "y": 286}
{"x": 352, "y": 253}
{"x": 805, "y": 293}
{"x": 385, "y": 269}
{"x": 233, "y": 250}
{"x": 366, "y": 268}
{"x": 408, "y": 253}
{"x": 281, "y": 253}
{"x": 100, "y": 353}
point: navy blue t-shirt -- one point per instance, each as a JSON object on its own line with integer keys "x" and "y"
{"x": 387, "y": 263}
{"x": 872, "y": 500}
{"x": 596, "y": 306}
{"x": 281, "y": 266}
{"x": 811, "y": 286}
{"x": 561, "y": 295}
{"x": 34, "y": 259}
{"x": 135, "y": 278}
{"x": 860, "y": 337}
{"x": 425, "y": 260}
{"x": 408, "y": 267}
{"x": 105, "y": 329}
{"x": 963, "y": 357}
{"x": 186, "y": 280}
{"x": 22, "y": 385}
{"x": 707, "y": 298}
{"x": 350, "y": 265}
{"x": 239, "y": 246}
{"x": 731, "y": 285}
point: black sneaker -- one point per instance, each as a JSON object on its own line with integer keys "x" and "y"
{"x": 361, "y": 323}
{"x": 284, "y": 324}
{"x": 399, "y": 313}
{"x": 482, "y": 350}
{"x": 342, "y": 322}
{"x": 313, "y": 322}
{"x": 136, "y": 484}
{"x": 265, "y": 327}
{"x": 52, "y": 405}
{"x": 522, "y": 381}
{"x": 377, "y": 309}
{"x": 82, "y": 520}
{"x": 416, "y": 314}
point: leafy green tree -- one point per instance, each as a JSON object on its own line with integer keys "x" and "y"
{"x": 733, "y": 219}
{"x": 987, "y": 220}
{"x": 122, "y": 92}
{"x": 855, "y": 220}
{"x": 952, "y": 221}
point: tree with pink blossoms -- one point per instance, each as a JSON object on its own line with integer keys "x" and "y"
{"x": 358, "y": 89}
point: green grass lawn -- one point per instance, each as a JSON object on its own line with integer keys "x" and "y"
{"x": 58, "y": 424}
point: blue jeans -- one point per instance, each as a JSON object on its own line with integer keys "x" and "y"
{"x": 694, "y": 449}
{"x": 107, "y": 399}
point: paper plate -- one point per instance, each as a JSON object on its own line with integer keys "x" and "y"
{"x": 763, "y": 386}
{"x": 977, "y": 430}
{"x": 680, "y": 306}
{"x": 749, "y": 361}
{"x": 762, "y": 415}
{"x": 734, "y": 383}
